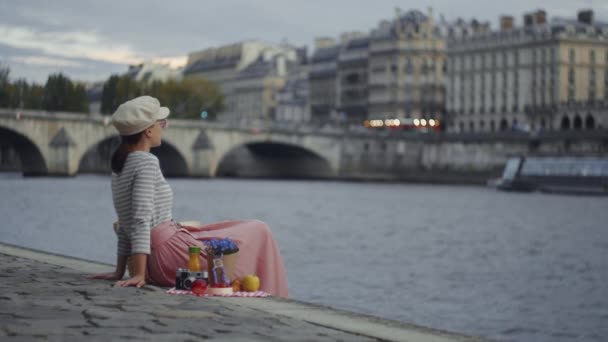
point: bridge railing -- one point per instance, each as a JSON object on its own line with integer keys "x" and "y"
{"x": 332, "y": 128}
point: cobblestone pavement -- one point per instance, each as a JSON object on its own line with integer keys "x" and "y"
{"x": 49, "y": 302}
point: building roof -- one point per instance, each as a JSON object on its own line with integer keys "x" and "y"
{"x": 388, "y": 30}
{"x": 326, "y": 54}
{"x": 212, "y": 64}
{"x": 258, "y": 69}
{"x": 357, "y": 43}
{"x": 553, "y": 28}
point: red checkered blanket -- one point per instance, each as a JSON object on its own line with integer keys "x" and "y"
{"x": 175, "y": 291}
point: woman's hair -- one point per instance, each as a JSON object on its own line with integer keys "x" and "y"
{"x": 120, "y": 155}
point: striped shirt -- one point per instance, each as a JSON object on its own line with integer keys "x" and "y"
{"x": 142, "y": 199}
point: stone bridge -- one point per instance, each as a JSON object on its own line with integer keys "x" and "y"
{"x": 65, "y": 144}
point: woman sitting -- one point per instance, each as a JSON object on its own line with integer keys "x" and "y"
{"x": 143, "y": 201}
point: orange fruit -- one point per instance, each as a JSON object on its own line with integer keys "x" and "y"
{"x": 236, "y": 286}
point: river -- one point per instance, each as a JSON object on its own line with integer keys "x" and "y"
{"x": 508, "y": 266}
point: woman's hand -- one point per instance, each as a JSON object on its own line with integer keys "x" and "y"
{"x": 137, "y": 281}
{"x": 106, "y": 276}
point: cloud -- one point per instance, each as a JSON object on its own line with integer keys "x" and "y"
{"x": 45, "y": 61}
{"x": 72, "y": 44}
{"x": 173, "y": 62}
{"x": 118, "y": 32}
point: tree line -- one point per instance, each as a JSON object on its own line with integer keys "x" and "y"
{"x": 187, "y": 98}
{"x": 59, "y": 93}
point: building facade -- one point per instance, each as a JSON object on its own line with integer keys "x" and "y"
{"x": 292, "y": 99}
{"x": 151, "y": 71}
{"x": 249, "y": 75}
{"x": 393, "y": 72}
{"x": 256, "y": 87}
{"x": 406, "y": 63}
{"x": 542, "y": 75}
{"x": 322, "y": 79}
{"x": 352, "y": 87}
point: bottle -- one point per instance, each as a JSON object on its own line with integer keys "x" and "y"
{"x": 194, "y": 263}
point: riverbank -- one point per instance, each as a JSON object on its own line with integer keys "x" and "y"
{"x": 46, "y": 296}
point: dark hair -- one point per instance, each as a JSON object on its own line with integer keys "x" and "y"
{"x": 120, "y": 155}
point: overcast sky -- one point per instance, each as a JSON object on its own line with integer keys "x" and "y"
{"x": 89, "y": 40}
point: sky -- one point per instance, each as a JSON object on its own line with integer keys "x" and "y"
{"x": 90, "y": 40}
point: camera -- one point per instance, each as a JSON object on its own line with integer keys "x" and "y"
{"x": 184, "y": 278}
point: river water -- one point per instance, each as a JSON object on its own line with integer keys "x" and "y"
{"x": 508, "y": 266}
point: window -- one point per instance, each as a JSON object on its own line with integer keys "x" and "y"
{"x": 378, "y": 69}
{"x": 571, "y": 94}
{"x": 542, "y": 56}
{"x": 592, "y": 56}
{"x": 572, "y": 56}
{"x": 571, "y": 76}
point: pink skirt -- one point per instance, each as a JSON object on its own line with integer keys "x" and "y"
{"x": 258, "y": 252}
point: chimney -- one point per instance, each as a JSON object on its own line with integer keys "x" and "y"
{"x": 324, "y": 42}
{"x": 506, "y": 22}
{"x": 585, "y": 16}
{"x": 540, "y": 17}
{"x": 348, "y": 36}
{"x": 528, "y": 20}
{"x": 281, "y": 65}
{"x": 535, "y": 18}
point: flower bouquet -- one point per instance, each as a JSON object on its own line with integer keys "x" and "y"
{"x": 222, "y": 255}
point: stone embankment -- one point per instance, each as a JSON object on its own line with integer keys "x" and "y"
{"x": 47, "y": 297}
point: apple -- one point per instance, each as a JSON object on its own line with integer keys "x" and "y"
{"x": 251, "y": 283}
{"x": 199, "y": 287}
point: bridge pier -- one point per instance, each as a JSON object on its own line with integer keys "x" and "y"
{"x": 201, "y": 166}
{"x": 62, "y": 159}
{"x": 202, "y": 156}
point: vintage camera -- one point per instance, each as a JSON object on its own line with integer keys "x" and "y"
{"x": 184, "y": 278}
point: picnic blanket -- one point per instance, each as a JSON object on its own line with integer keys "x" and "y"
{"x": 175, "y": 291}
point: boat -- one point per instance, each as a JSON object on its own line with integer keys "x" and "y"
{"x": 587, "y": 175}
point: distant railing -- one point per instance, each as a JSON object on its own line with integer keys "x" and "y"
{"x": 331, "y": 127}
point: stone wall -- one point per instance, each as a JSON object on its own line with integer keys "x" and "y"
{"x": 458, "y": 158}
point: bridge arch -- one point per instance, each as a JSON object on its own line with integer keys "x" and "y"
{"x": 272, "y": 159}
{"x": 97, "y": 158}
{"x": 32, "y": 160}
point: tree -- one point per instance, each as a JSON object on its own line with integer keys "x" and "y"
{"x": 60, "y": 94}
{"x": 34, "y": 99}
{"x": 116, "y": 90}
{"x": 108, "y": 96}
{"x": 4, "y": 87}
{"x": 186, "y": 98}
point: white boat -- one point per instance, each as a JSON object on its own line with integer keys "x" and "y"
{"x": 555, "y": 174}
